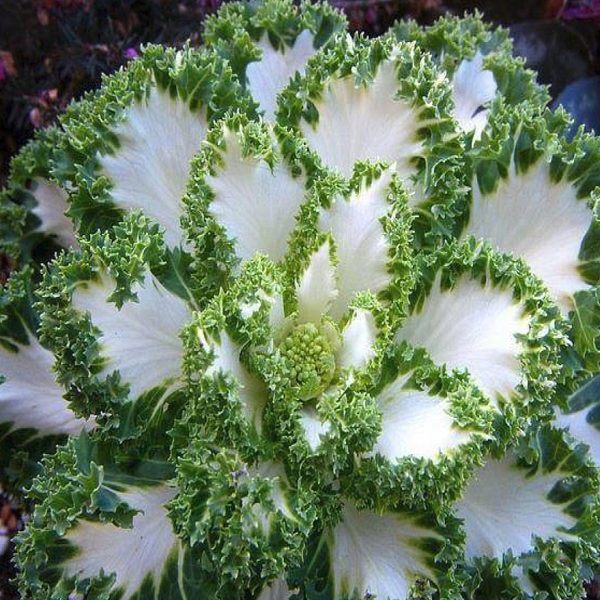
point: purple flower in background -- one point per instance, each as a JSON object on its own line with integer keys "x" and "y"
{"x": 582, "y": 9}
{"x": 2, "y": 71}
{"x": 130, "y": 53}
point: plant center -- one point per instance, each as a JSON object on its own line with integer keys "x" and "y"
{"x": 309, "y": 360}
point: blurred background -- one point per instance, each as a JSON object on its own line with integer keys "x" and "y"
{"x": 53, "y": 51}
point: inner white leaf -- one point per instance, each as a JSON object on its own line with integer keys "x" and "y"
{"x": 269, "y": 75}
{"x": 316, "y": 289}
{"x": 415, "y": 423}
{"x": 541, "y": 221}
{"x": 141, "y": 340}
{"x": 30, "y": 397}
{"x": 131, "y": 554}
{"x": 503, "y": 508}
{"x": 362, "y": 248}
{"x": 256, "y": 206}
{"x": 50, "y": 210}
{"x": 472, "y": 327}
{"x": 252, "y": 392}
{"x": 473, "y": 87}
{"x": 313, "y": 427}
{"x": 378, "y": 554}
{"x": 150, "y": 169}
{"x": 358, "y": 340}
{"x": 365, "y": 122}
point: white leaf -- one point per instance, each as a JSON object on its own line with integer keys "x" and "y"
{"x": 471, "y": 327}
{"x": 362, "y": 248}
{"x": 473, "y": 87}
{"x": 131, "y": 554}
{"x": 316, "y": 289}
{"x": 541, "y": 221}
{"x": 50, "y": 210}
{"x": 141, "y": 340}
{"x": 30, "y": 397}
{"x": 150, "y": 169}
{"x": 415, "y": 423}
{"x": 313, "y": 427}
{"x": 251, "y": 391}
{"x": 255, "y": 206}
{"x": 358, "y": 340}
{"x": 276, "y": 313}
{"x": 503, "y": 508}
{"x": 269, "y": 75}
{"x": 366, "y": 122}
{"x": 377, "y": 554}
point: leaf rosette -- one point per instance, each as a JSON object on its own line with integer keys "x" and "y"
{"x": 319, "y": 327}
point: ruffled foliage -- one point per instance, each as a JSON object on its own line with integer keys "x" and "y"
{"x": 306, "y": 316}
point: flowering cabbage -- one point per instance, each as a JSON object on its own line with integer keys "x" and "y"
{"x": 301, "y": 315}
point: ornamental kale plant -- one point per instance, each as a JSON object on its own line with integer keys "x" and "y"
{"x": 301, "y": 315}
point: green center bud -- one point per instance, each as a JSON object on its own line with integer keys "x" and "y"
{"x": 309, "y": 360}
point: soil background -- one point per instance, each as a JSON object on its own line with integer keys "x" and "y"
{"x": 53, "y": 51}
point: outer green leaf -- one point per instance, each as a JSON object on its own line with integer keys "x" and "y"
{"x": 32, "y": 208}
{"x": 480, "y": 311}
{"x": 128, "y": 146}
{"x": 516, "y": 512}
{"x": 34, "y": 413}
{"x": 396, "y": 109}
{"x": 114, "y": 327}
{"x": 268, "y": 43}
{"x": 104, "y": 532}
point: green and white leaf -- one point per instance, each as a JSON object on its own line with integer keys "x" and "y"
{"x": 472, "y": 326}
{"x": 525, "y": 512}
{"x": 140, "y": 340}
{"x": 30, "y": 396}
{"x": 33, "y": 205}
{"x": 267, "y": 44}
{"x": 415, "y": 423}
{"x": 454, "y": 40}
{"x": 474, "y": 87}
{"x": 361, "y": 122}
{"x": 50, "y": 210}
{"x": 478, "y": 311}
{"x": 380, "y": 101}
{"x": 129, "y": 145}
{"x": 267, "y": 76}
{"x": 551, "y": 216}
{"x": 582, "y": 417}
{"x": 382, "y": 555}
{"x": 362, "y": 246}
{"x": 434, "y": 430}
{"x": 255, "y": 202}
{"x": 316, "y": 290}
{"x": 149, "y": 169}
{"x": 101, "y": 528}
{"x": 226, "y": 362}
{"x": 132, "y": 554}
{"x": 504, "y": 506}
{"x": 358, "y": 341}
